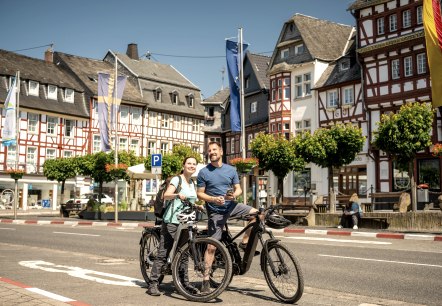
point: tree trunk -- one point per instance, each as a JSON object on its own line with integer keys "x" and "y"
{"x": 280, "y": 189}
{"x": 100, "y": 191}
{"x": 413, "y": 186}
{"x": 331, "y": 191}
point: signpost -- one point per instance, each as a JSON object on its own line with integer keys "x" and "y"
{"x": 156, "y": 163}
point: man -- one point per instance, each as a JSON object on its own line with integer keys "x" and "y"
{"x": 218, "y": 185}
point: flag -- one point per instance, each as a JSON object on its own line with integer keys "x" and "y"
{"x": 433, "y": 39}
{"x": 233, "y": 66}
{"x": 107, "y": 109}
{"x": 10, "y": 122}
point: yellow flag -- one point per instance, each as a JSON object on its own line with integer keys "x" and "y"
{"x": 433, "y": 39}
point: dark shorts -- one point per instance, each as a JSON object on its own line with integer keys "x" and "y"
{"x": 217, "y": 221}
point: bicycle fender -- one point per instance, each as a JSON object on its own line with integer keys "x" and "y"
{"x": 265, "y": 250}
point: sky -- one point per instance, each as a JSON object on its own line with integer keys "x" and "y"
{"x": 187, "y": 34}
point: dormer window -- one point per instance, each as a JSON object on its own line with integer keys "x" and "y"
{"x": 284, "y": 53}
{"x": 345, "y": 65}
{"x": 33, "y": 88}
{"x": 69, "y": 95}
{"x": 299, "y": 49}
{"x": 191, "y": 100}
{"x": 11, "y": 81}
{"x": 52, "y": 92}
{"x": 157, "y": 94}
{"x": 175, "y": 99}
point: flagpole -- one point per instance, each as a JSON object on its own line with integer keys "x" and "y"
{"x": 17, "y": 134}
{"x": 116, "y": 135}
{"x": 241, "y": 103}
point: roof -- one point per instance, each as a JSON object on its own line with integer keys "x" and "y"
{"x": 219, "y": 97}
{"x": 45, "y": 74}
{"x": 260, "y": 64}
{"x": 86, "y": 70}
{"x": 360, "y": 4}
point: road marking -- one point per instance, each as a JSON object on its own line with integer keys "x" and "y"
{"x": 119, "y": 280}
{"x": 7, "y": 228}
{"x": 78, "y": 234}
{"x": 381, "y": 260}
{"x": 50, "y": 295}
{"x": 339, "y": 240}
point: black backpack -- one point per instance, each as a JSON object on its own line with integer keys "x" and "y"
{"x": 160, "y": 205}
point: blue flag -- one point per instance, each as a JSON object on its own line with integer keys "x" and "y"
{"x": 10, "y": 122}
{"x": 107, "y": 109}
{"x": 233, "y": 66}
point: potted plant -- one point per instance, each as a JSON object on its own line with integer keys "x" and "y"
{"x": 16, "y": 174}
{"x": 244, "y": 165}
{"x": 117, "y": 171}
{"x": 437, "y": 150}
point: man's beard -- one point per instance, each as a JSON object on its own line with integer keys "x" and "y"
{"x": 216, "y": 158}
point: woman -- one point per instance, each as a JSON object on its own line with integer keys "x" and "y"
{"x": 180, "y": 188}
{"x": 352, "y": 213}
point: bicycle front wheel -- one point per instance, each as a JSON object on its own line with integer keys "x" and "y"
{"x": 283, "y": 273}
{"x": 149, "y": 245}
{"x": 189, "y": 267}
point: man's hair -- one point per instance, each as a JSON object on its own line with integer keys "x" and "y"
{"x": 214, "y": 142}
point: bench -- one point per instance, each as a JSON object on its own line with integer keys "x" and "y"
{"x": 341, "y": 200}
{"x": 382, "y": 199}
{"x": 298, "y": 205}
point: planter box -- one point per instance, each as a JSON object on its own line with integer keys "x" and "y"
{"x": 122, "y": 215}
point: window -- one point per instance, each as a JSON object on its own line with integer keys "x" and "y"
{"x": 301, "y": 182}
{"x": 134, "y": 146}
{"x": 429, "y": 173}
{"x": 380, "y": 26}
{"x": 52, "y": 125}
{"x": 165, "y": 121}
{"x": 97, "y": 144}
{"x": 303, "y": 125}
{"x": 307, "y": 85}
{"x": 50, "y": 154}
{"x": 153, "y": 119}
{"x": 351, "y": 179}
{"x": 67, "y": 154}
{"x": 286, "y": 89}
{"x": 284, "y": 53}
{"x": 232, "y": 145}
{"x": 151, "y": 148}
{"x": 195, "y": 125}
{"x": 406, "y": 19}
{"x": 393, "y": 23}
{"x": 191, "y": 100}
{"x": 31, "y": 160}
{"x": 253, "y": 107}
{"x": 195, "y": 149}
{"x": 32, "y": 123}
{"x": 419, "y": 19}
{"x": 52, "y": 92}
{"x": 175, "y": 99}
{"x": 246, "y": 82}
{"x": 395, "y": 72}
{"x": 157, "y": 94}
{"x": 124, "y": 114}
{"x": 421, "y": 63}
{"x": 211, "y": 111}
{"x": 299, "y": 49}
{"x": 332, "y": 98}
{"x": 69, "y": 128}
{"x": 11, "y": 159}
{"x": 286, "y": 126}
{"x": 33, "y": 88}
{"x": 122, "y": 145}
{"x": 273, "y": 85}
{"x": 345, "y": 65}
{"x": 136, "y": 115}
{"x": 249, "y": 139}
{"x": 69, "y": 95}
{"x": 164, "y": 147}
{"x": 279, "y": 126}
{"x": 348, "y": 95}
{"x": 408, "y": 66}
{"x": 11, "y": 81}
{"x": 302, "y": 85}
{"x": 177, "y": 122}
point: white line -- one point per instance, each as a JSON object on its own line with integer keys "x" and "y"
{"x": 363, "y": 234}
{"x": 7, "y": 228}
{"x": 339, "y": 240}
{"x": 95, "y": 223}
{"x": 43, "y": 222}
{"x": 419, "y": 237}
{"x": 50, "y": 295}
{"x": 79, "y": 234}
{"x": 381, "y": 260}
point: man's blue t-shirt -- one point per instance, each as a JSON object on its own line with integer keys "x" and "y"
{"x": 217, "y": 180}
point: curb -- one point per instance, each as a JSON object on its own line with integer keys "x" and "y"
{"x": 333, "y": 232}
{"x": 41, "y": 292}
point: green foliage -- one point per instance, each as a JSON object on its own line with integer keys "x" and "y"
{"x": 122, "y": 206}
{"x": 60, "y": 169}
{"x": 185, "y": 151}
{"x": 404, "y": 134}
{"x": 334, "y": 147}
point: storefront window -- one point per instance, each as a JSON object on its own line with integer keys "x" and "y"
{"x": 301, "y": 182}
{"x": 401, "y": 180}
{"x": 429, "y": 173}
{"x": 352, "y": 179}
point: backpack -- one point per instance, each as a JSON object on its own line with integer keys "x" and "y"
{"x": 160, "y": 205}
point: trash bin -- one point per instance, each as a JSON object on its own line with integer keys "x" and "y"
{"x": 422, "y": 193}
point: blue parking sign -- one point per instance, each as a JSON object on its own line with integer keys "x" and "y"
{"x": 156, "y": 160}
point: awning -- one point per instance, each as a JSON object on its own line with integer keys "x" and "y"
{"x": 138, "y": 172}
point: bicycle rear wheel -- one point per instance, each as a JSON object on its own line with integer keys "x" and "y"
{"x": 189, "y": 266}
{"x": 283, "y": 272}
{"x": 149, "y": 245}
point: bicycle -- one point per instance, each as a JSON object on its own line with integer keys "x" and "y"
{"x": 186, "y": 261}
{"x": 281, "y": 268}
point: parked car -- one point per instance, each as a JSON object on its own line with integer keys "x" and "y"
{"x": 79, "y": 204}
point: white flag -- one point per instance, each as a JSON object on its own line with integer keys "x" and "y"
{"x": 9, "y": 124}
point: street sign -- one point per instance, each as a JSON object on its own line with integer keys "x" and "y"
{"x": 156, "y": 170}
{"x": 156, "y": 161}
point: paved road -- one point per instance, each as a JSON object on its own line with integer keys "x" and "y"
{"x": 338, "y": 270}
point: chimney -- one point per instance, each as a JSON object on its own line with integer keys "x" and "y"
{"x": 49, "y": 55}
{"x": 132, "y": 51}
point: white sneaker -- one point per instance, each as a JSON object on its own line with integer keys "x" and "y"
{"x": 339, "y": 226}
{"x": 355, "y": 227}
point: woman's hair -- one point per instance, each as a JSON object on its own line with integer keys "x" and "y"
{"x": 354, "y": 198}
{"x": 184, "y": 162}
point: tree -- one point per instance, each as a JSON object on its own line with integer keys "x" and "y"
{"x": 276, "y": 154}
{"x": 60, "y": 169}
{"x": 172, "y": 163}
{"x": 330, "y": 148}
{"x": 404, "y": 134}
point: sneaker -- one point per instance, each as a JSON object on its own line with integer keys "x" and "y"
{"x": 339, "y": 226}
{"x": 190, "y": 288}
{"x": 205, "y": 287}
{"x": 355, "y": 227}
{"x": 153, "y": 290}
{"x": 243, "y": 246}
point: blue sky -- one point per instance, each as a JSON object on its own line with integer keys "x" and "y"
{"x": 197, "y": 28}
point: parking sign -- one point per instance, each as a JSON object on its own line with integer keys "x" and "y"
{"x": 157, "y": 160}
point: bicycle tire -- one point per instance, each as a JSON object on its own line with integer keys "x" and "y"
{"x": 150, "y": 242}
{"x": 221, "y": 270}
{"x": 287, "y": 282}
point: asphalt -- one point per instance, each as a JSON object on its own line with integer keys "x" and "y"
{"x": 14, "y": 293}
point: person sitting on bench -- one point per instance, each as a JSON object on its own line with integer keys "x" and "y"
{"x": 352, "y": 213}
